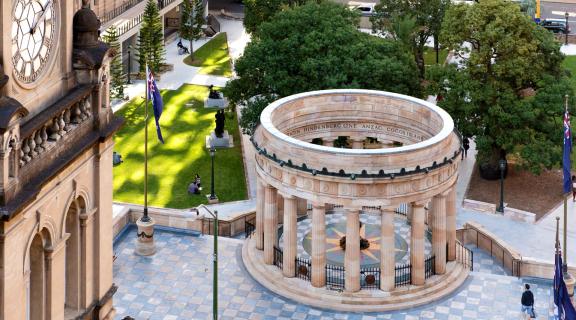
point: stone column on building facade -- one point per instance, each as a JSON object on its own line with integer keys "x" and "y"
{"x": 417, "y": 258}
{"x": 451, "y": 223}
{"x": 352, "y": 251}
{"x": 270, "y": 223}
{"x": 259, "y": 232}
{"x": 438, "y": 224}
{"x": 54, "y": 273}
{"x": 409, "y": 209}
{"x": 290, "y": 248}
{"x": 318, "y": 245}
{"x": 387, "y": 251}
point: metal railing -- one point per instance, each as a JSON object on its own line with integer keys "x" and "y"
{"x": 249, "y": 229}
{"x": 402, "y": 275}
{"x": 370, "y": 278}
{"x": 429, "y": 267}
{"x": 464, "y": 255}
{"x": 335, "y": 276}
{"x": 135, "y": 21}
{"x": 119, "y": 10}
{"x": 303, "y": 269}
{"x": 278, "y": 257}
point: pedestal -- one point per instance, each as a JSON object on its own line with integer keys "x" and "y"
{"x": 215, "y": 103}
{"x": 145, "y": 242}
{"x": 569, "y": 280}
{"x": 225, "y": 141}
{"x": 212, "y": 201}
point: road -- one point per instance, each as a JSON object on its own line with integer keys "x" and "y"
{"x": 556, "y": 10}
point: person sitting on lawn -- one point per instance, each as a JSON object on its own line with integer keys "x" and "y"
{"x": 197, "y": 181}
{"x": 193, "y": 188}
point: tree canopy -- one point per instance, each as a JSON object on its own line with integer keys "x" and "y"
{"x": 117, "y": 79}
{"x": 312, "y": 47}
{"x": 412, "y": 21}
{"x": 508, "y": 91}
{"x": 257, "y": 12}
{"x": 192, "y": 20}
{"x": 151, "y": 39}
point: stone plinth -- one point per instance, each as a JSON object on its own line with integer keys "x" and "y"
{"x": 215, "y": 103}
{"x": 145, "y": 242}
{"x": 225, "y": 142}
{"x": 212, "y": 201}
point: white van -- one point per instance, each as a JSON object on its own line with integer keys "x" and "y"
{"x": 365, "y": 8}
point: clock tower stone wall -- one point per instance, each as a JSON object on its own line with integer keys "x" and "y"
{"x": 56, "y": 175}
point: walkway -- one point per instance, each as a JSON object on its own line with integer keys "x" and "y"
{"x": 176, "y": 283}
{"x": 183, "y": 73}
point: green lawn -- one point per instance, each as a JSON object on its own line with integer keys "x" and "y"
{"x": 430, "y": 56}
{"x": 570, "y": 64}
{"x": 171, "y": 167}
{"x": 213, "y": 57}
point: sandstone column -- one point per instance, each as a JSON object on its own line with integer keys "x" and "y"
{"x": 302, "y": 205}
{"x": 318, "y": 245}
{"x": 357, "y": 143}
{"x": 438, "y": 219}
{"x": 289, "y": 255}
{"x": 387, "y": 251}
{"x": 417, "y": 244}
{"x": 270, "y": 223}
{"x": 259, "y": 233}
{"x": 352, "y": 252}
{"x": 451, "y": 223}
{"x": 328, "y": 142}
{"x": 409, "y": 213}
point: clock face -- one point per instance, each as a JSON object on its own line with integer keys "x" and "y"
{"x": 33, "y": 37}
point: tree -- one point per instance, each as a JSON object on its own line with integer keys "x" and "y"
{"x": 192, "y": 22}
{"x": 117, "y": 75}
{"x": 312, "y": 47}
{"x": 428, "y": 15}
{"x": 257, "y": 12}
{"x": 151, "y": 39}
{"x": 509, "y": 88}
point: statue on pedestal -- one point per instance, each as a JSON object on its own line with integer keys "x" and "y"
{"x": 214, "y": 94}
{"x": 220, "y": 119}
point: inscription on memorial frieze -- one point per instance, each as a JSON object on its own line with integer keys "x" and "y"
{"x": 383, "y": 129}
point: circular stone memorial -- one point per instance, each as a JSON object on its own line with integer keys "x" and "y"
{"x": 356, "y": 153}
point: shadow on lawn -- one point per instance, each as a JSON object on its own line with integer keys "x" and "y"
{"x": 174, "y": 164}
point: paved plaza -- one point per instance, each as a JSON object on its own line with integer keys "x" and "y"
{"x": 176, "y": 283}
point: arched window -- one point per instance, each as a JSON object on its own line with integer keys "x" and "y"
{"x": 36, "y": 291}
{"x": 73, "y": 259}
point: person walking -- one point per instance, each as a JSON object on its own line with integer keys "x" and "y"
{"x": 528, "y": 302}
{"x": 465, "y": 146}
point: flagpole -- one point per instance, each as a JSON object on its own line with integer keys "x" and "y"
{"x": 145, "y": 217}
{"x": 565, "y": 264}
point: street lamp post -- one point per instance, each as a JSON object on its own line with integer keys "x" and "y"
{"x": 502, "y": 167}
{"x": 129, "y": 64}
{"x": 215, "y": 261}
{"x": 212, "y": 154}
{"x": 566, "y": 28}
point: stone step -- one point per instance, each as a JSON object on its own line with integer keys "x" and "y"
{"x": 302, "y": 291}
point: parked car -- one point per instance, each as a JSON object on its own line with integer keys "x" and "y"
{"x": 365, "y": 8}
{"x": 555, "y": 25}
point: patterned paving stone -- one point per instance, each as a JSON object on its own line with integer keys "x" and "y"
{"x": 176, "y": 283}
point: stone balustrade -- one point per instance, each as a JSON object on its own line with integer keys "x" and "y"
{"x": 44, "y": 138}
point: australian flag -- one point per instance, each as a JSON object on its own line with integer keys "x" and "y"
{"x": 561, "y": 299}
{"x": 567, "y": 151}
{"x": 156, "y": 98}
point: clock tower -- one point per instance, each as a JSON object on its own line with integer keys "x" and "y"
{"x": 56, "y": 129}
